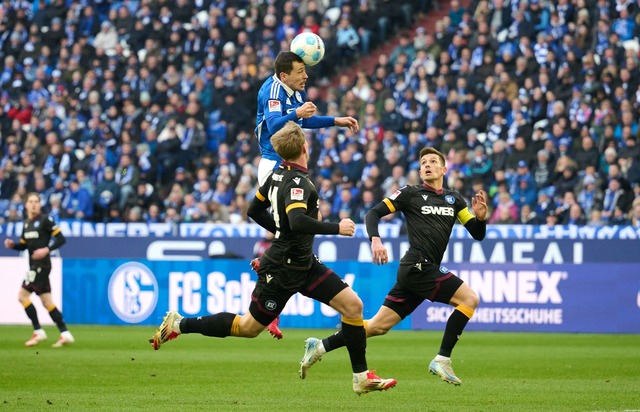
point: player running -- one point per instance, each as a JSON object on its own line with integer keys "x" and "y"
{"x": 40, "y": 236}
{"x": 430, "y": 211}
{"x": 289, "y": 266}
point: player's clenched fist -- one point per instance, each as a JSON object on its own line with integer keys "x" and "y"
{"x": 347, "y": 227}
{"x": 306, "y": 110}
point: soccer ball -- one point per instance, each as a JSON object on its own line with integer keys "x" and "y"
{"x": 309, "y": 47}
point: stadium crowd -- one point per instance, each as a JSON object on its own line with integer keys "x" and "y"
{"x": 143, "y": 111}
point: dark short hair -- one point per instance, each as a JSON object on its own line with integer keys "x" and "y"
{"x": 431, "y": 150}
{"x": 284, "y": 62}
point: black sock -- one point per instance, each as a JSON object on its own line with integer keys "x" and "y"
{"x": 455, "y": 325}
{"x": 57, "y": 318}
{"x": 334, "y": 341}
{"x": 355, "y": 338}
{"x": 33, "y": 315}
{"x": 218, "y": 325}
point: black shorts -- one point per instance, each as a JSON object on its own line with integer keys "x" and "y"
{"x": 278, "y": 282}
{"x": 41, "y": 283}
{"x": 418, "y": 282}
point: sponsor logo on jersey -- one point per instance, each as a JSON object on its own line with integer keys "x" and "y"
{"x": 133, "y": 292}
{"x": 269, "y": 277}
{"x": 425, "y": 197}
{"x": 274, "y": 106}
{"x": 31, "y": 235}
{"x": 297, "y": 193}
{"x": 270, "y": 304}
{"x": 297, "y": 180}
{"x": 444, "y": 269}
{"x": 437, "y": 210}
{"x": 394, "y": 195}
{"x": 277, "y": 178}
{"x": 449, "y": 199}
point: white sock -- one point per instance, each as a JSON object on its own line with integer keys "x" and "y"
{"x": 359, "y": 377}
{"x": 440, "y": 358}
{"x": 176, "y": 326}
{"x": 39, "y": 331}
{"x": 320, "y": 348}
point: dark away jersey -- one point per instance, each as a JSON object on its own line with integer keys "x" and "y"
{"x": 287, "y": 188}
{"x": 430, "y": 218}
{"x": 36, "y": 234}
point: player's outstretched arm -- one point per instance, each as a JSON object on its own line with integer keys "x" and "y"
{"x": 300, "y": 222}
{"x": 347, "y": 227}
{"x": 349, "y": 122}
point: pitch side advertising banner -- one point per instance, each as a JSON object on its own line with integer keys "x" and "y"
{"x": 598, "y": 298}
{"x": 110, "y": 291}
{"x": 13, "y": 271}
{"x": 78, "y": 228}
{"x": 331, "y": 249}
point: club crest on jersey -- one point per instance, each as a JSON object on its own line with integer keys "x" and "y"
{"x": 394, "y": 195}
{"x": 449, "y": 199}
{"x": 297, "y": 193}
{"x": 274, "y": 106}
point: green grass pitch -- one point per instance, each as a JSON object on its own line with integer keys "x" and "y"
{"x": 114, "y": 368}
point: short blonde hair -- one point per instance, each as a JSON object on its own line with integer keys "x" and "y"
{"x": 289, "y": 141}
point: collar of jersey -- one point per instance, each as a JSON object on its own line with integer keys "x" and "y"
{"x": 295, "y": 166}
{"x": 284, "y": 86}
{"x": 426, "y": 186}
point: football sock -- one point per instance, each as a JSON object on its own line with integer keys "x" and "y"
{"x": 32, "y": 314}
{"x": 336, "y": 340}
{"x": 355, "y": 338}
{"x": 455, "y": 325}
{"x": 56, "y": 316}
{"x": 218, "y": 325}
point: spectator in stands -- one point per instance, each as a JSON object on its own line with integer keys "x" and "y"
{"x": 634, "y": 216}
{"x": 79, "y": 203}
{"x": 528, "y": 216}
{"x": 506, "y": 210}
{"x": 347, "y": 41}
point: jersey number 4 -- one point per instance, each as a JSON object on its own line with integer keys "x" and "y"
{"x": 273, "y": 198}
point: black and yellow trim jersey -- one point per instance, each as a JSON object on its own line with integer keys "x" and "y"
{"x": 430, "y": 216}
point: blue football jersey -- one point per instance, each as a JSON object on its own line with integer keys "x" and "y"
{"x": 277, "y": 104}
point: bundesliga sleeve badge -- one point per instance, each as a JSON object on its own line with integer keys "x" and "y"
{"x": 274, "y": 106}
{"x": 297, "y": 193}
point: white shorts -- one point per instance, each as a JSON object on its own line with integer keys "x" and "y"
{"x": 265, "y": 167}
